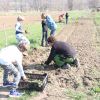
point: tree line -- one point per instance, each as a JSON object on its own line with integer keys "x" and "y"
{"x": 41, "y": 5}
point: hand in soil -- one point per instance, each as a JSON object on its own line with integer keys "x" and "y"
{"x": 24, "y": 78}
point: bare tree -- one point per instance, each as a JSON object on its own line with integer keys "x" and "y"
{"x": 70, "y": 4}
{"x": 41, "y": 5}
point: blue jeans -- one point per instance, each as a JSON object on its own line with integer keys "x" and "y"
{"x": 53, "y": 32}
{"x": 11, "y": 68}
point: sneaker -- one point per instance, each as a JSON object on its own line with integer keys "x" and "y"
{"x": 14, "y": 93}
{"x": 66, "y": 66}
{"x": 7, "y": 84}
{"x": 76, "y": 63}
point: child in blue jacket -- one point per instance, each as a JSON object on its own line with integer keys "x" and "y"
{"x": 20, "y": 32}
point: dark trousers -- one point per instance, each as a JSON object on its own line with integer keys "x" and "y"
{"x": 44, "y": 38}
{"x": 66, "y": 20}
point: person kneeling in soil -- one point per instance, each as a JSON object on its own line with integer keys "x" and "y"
{"x": 11, "y": 62}
{"x": 61, "y": 18}
{"x": 61, "y": 53}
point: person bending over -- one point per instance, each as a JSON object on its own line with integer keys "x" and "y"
{"x": 50, "y": 23}
{"x": 61, "y": 53}
{"x": 11, "y": 62}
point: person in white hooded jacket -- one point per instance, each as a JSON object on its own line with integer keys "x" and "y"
{"x": 11, "y": 61}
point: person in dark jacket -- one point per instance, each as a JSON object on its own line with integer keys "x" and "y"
{"x": 61, "y": 53}
{"x": 66, "y": 17}
{"x": 44, "y": 33}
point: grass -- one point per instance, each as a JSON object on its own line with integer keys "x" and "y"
{"x": 76, "y": 14}
{"x": 96, "y": 89}
{"x": 91, "y": 94}
{"x": 34, "y": 34}
{"x": 9, "y": 35}
{"x": 75, "y": 95}
{"x": 97, "y": 18}
{"x": 34, "y": 29}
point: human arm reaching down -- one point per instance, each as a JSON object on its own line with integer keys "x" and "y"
{"x": 20, "y": 68}
{"x": 51, "y": 56}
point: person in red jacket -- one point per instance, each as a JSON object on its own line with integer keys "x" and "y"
{"x": 61, "y": 17}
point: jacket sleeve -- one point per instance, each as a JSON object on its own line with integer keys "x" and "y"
{"x": 51, "y": 56}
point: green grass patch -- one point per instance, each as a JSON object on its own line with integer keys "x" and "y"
{"x": 97, "y": 18}
{"x": 75, "y": 95}
{"x": 90, "y": 94}
{"x": 34, "y": 29}
{"x": 7, "y": 36}
{"x": 76, "y": 14}
{"x": 96, "y": 89}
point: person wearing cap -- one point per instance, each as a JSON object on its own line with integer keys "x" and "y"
{"x": 19, "y": 30}
{"x": 50, "y": 23}
{"x": 11, "y": 61}
{"x": 62, "y": 54}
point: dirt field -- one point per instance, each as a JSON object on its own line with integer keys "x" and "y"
{"x": 9, "y": 20}
{"x": 83, "y": 36}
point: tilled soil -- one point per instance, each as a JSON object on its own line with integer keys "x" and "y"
{"x": 83, "y": 37}
{"x": 63, "y": 84}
